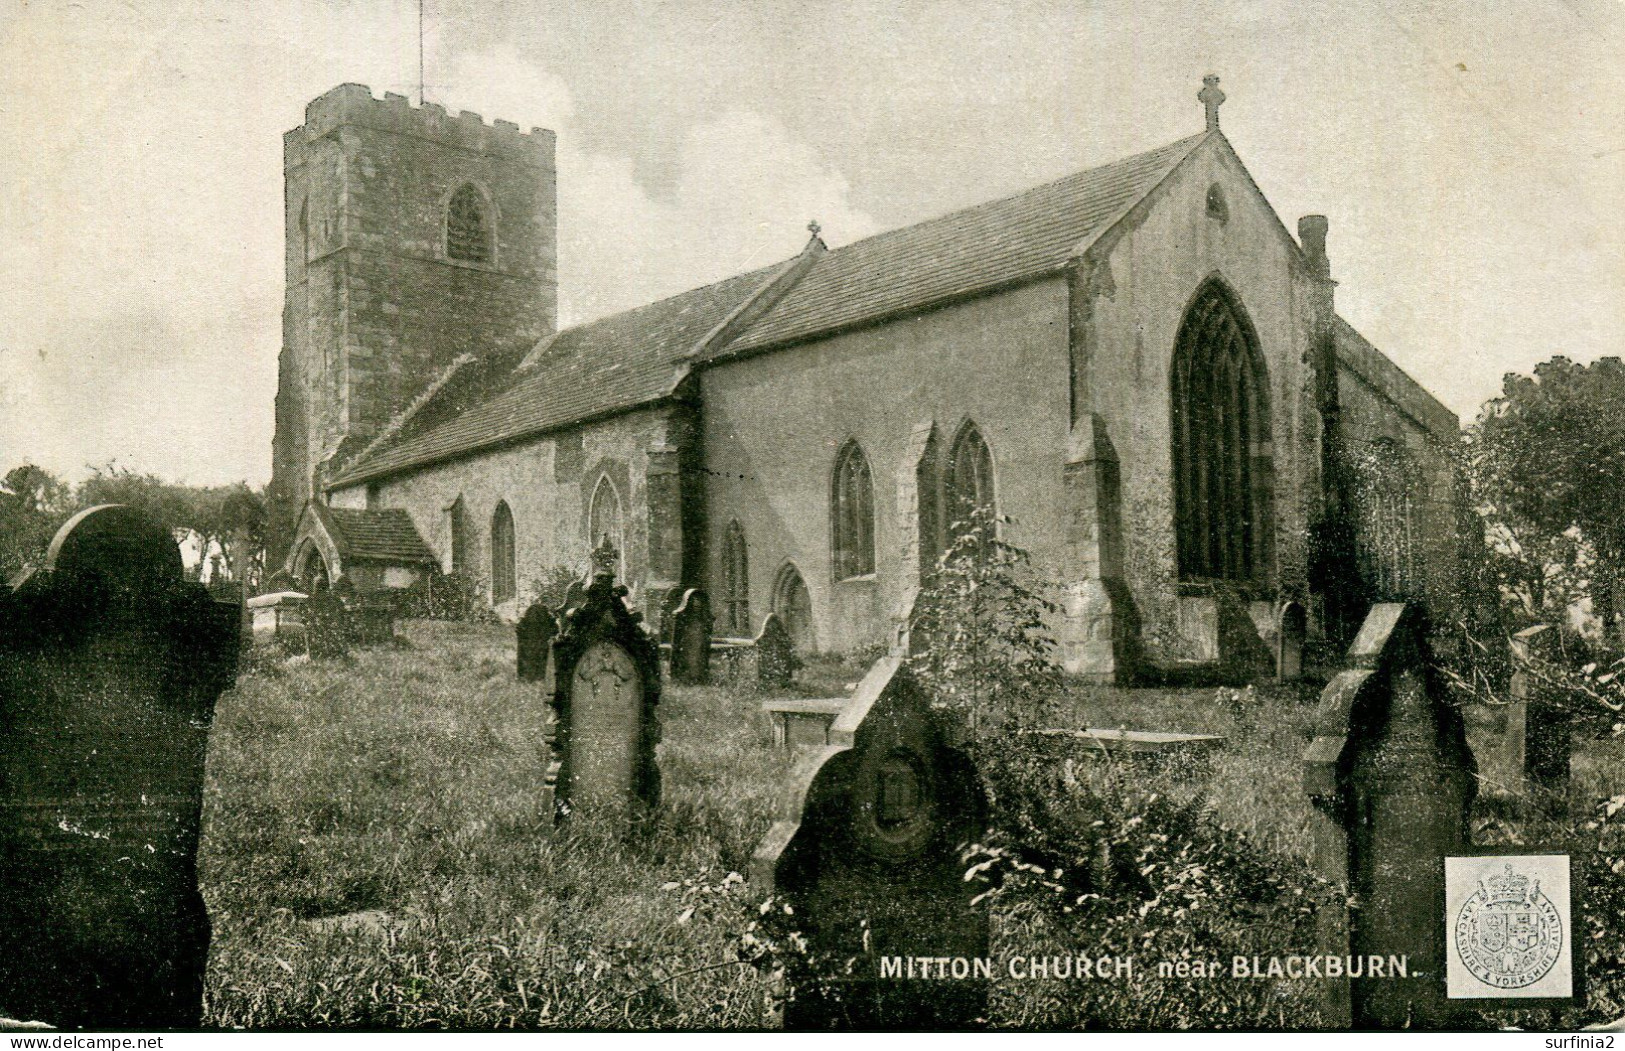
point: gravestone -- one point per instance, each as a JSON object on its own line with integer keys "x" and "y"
{"x": 574, "y": 595}
{"x": 865, "y": 849}
{"x": 691, "y": 639}
{"x": 534, "y": 637}
{"x": 110, "y": 666}
{"x": 1392, "y": 779}
{"x": 606, "y": 672}
{"x": 1548, "y": 729}
{"x": 1291, "y": 629}
{"x": 329, "y": 630}
{"x": 775, "y": 655}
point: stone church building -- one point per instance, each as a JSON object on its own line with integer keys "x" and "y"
{"x": 1138, "y": 367}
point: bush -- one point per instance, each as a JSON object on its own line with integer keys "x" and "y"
{"x": 447, "y": 596}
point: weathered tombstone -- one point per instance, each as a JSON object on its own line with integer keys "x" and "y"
{"x": 865, "y": 849}
{"x": 775, "y": 655}
{"x": 110, "y": 666}
{"x": 1291, "y": 629}
{"x": 691, "y": 639}
{"x": 1548, "y": 729}
{"x": 1392, "y": 778}
{"x": 329, "y": 630}
{"x": 606, "y": 685}
{"x": 534, "y": 636}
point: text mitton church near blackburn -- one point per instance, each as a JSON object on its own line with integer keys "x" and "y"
{"x": 1137, "y": 367}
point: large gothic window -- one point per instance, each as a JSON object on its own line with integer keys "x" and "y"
{"x": 1386, "y": 484}
{"x": 735, "y": 582}
{"x": 504, "y": 575}
{"x": 968, "y": 482}
{"x": 853, "y": 513}
{"x": 1221, "y": 444}
{"x": 468, "y": 226}
{"x": 604, "y": 517}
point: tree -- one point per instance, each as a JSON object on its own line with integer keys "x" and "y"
{"x": 1547, "y": 464}
{"x": 229, "y": 519}
{"x": 33, "y": 505}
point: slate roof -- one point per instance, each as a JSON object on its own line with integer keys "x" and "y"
{"x": 976, "y": 249}
{"x": 638, "y": 357}
{"x": 383, "y": 535}
{"x": 604, "y": 366}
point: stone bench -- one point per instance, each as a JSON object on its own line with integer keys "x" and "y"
{"x": 802, "y": 723}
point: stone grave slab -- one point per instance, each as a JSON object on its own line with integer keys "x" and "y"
{"x": 803, "y": 723}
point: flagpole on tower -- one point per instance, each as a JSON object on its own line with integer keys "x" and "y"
{"x": 420, "y": 52}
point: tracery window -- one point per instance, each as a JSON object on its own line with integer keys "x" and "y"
{"x": 968, "y": 482}
{"x": 1222, "y": 468}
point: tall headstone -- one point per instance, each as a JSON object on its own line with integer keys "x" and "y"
{"x": 534, "y": 641}
{"x": 1548, "y": 729}
{"x": 865, "y": 849}
{"x": 691, "y": 639}
{"x": 775, "y": 655}
{"x": 1291, "y": 629}
{"x": 1392, "y": 779}
{"x": 606, "y": 672}
{"x": 110, "y": 667}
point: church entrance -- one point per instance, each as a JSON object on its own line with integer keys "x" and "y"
{"x": 793, "y": 606}
{"x": 310, "y": 569}
{"x": 1222, "y": 467}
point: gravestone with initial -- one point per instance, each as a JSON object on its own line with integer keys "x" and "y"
{"x": 110, "y": 666}
{"x": 865, "y": 849}
{"x": 691, "y": 639}
{"x": 775, "y": 655}
{"x": 1392, "y": 778}
{"x": 606, "y": 673}
{"x": 534, "y": 638}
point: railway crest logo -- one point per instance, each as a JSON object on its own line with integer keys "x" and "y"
{"x": 1508, "y": 933}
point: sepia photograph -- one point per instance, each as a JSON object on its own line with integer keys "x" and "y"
{"x": 664, "y": 516}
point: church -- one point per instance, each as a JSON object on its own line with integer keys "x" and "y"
{"x": 1137, "y": 367}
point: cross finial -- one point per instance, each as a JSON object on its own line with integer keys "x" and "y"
{"x": 813, "y": 228}
{"x": 1212, "y": 98}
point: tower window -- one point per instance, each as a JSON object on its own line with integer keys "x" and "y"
{"x": 854, "y": 515}
{"x": 468, "y": 227}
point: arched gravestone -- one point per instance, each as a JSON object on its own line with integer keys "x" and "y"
{"x": 1392, "y": 777}
{"x": 606, "y": 685}
{"x": 534, "y": 638}
{"x": 110, "y": 666}
{"x": 775, "y": 655}
{"x": 865, "y": 850}
{"x": 691, "y": 639}
{"x": 1291, "y": 628}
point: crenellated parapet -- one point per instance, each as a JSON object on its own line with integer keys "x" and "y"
{"x": 354, "y": 104}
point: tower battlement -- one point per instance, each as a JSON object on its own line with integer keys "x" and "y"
{"x": 354, "y": 104}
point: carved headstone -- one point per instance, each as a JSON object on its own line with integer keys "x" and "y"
{"x": 691, "y": 639}
{"x": 865, "y": 849}
{"x": 1392, "y": 779}
{"x": 1291, "y": 629}
{"x": 110, "y": 666}
{"x": 775, "y": 655}
{"x": 606, "y": 672}
{"x": 534, "y": 636}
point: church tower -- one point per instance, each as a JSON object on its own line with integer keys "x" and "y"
{"x": 415, "y": 240}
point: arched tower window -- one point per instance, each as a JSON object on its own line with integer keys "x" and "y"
{"x": 853, "y": 514}
{"x": 504, "y": 575}
{"x": 468, "y": 226}
{"x": 604, "y": 517}
{"x": 1223, "y": 473}
{"x": 968, "y": 482}
{"x": 735, "y": 582}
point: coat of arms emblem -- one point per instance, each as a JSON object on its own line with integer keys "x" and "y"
{"x": 1508, "y": 933}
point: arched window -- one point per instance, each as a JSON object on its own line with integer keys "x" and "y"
{"x": 928, "y": 504}
{"x": 853, "y": 514}
{"x": 468, "y": 226}
{"x": 604, "y": 517}
{"x": 792, "y": 604}
{"x": 968, "y": 482}
{"x": 735, "y": 582}
{"x": 504, "y": 576}
{"x": 1223, "y": 482}
{"x": 457, "y": 518}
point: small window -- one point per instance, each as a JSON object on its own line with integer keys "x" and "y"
{"x": 504, "y": 578}
{"x": 1216, "y": 206}
{"x": 736, "y": 582}
{"x": 468, "y": 227}
{"x": 853, "y": 510}
{"x": 459, "y": 537}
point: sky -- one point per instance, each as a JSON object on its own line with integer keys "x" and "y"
{"x": 1470, "y": 158}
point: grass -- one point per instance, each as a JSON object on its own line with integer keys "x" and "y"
{"x": 376, "y": 855}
